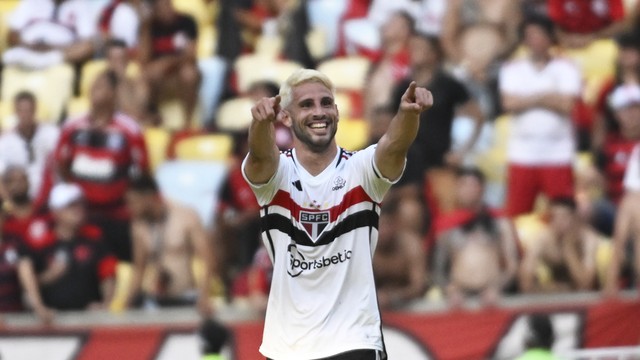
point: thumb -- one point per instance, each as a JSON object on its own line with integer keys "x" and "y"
{"x": 411, "y": 91}
{"x": 276, "y": 103}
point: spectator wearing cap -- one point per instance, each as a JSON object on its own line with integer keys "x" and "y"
{"x": 626, "y": 101}
{"x": 64, "y": 265}
{"x": 29, "y": 144}
{"x": 540, "y": 91}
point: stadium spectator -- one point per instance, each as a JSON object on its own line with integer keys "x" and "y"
{"x": 392, "y": 65}
{"x": 66, "y": 261}
{"x": 582, "y": 21}
{"x": 567, "y": 250}
{"x": 132, "y": 96}
{"x": 101, "y": 151}
{"x": 541, "y": 144}
{"x": 399, "y": 263}
{"x": 20, "y": 209}
{"x": 476, "y": 250}
{"x": 167, "y": 237}
{"x": 475, "y": 33}
{"x": 168, "y": 57}
{"x": 10, "y": 290}
{"x": 431, "y": 153}
{"x": 605, "y": 126}
{"x": 44, "y": 33}
{"x": 626, "y": 236}
{"x": 119, "y": 20}
{"x": 30, "y": 143}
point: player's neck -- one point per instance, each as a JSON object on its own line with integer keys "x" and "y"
{"x": 315, "y": 162}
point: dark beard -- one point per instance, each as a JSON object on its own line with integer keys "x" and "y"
{"x": 305, "y": 138}
{"x": 21, "y": 199}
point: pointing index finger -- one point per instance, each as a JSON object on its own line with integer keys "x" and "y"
{"x": 411, "y": 91}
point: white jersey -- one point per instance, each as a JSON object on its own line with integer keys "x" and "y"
{"x": 321, "y": 232}
{"x": 631, "y": 180}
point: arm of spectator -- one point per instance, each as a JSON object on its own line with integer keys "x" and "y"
{"x": 145, "y": 47}
{"x": 202, "y": 248}
{"x": 264, "y": 156}
{"x": 415, "y": 288}
{"x": 561, "y": 103}
{"x": 451, "y": 31}
{"x": 139, "y": 155}
{"x": 56, "y": 269}
{"x": 527, "y": 276}
{"x": 63, "y": 154}
{"x": 391, "y": 151}
{"x": 621, "y": 234}
{"x": 140, "y": 256}
{"x": 108, "y": 290}
{"x": 508, "y": 244}
{"x": 442, "y": 261}
{"x": 582, "y": 268}
{"x": 29, "y": 283}
{"x": 248, "y": 19}
{"x": 470, "y": 109}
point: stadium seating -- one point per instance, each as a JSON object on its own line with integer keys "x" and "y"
{"x": 92, "y": 68}
{"x": 52, "y": 87}
{"x": 347, "y": 73}
{"x": 212, "y": 147}
{"x": 252, "y": 68}
{"x": 352, "y": 134}
{"x": 6, "y": 7}
{"x": 77, "y": 106}
{"x": 193, "y": 183}
{"x": 157, "y": 141}
{"x": 234, "y": 114}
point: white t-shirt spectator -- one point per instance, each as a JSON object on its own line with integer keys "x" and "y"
{"x": 16, "y": 151}
{"x": 41, "y": 21}
{"x": 122, "y": 22}
{"x": 632, "y": 174}
{"x": 540, "y": 136}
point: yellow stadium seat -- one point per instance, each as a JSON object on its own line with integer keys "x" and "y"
{"x": 7, "y": 118}
{"x": 345, "y": 105}
{"x": 173, "y": 116}
{"x": 124, "y": 273}
{"x": 214, "y": 147}
{"x": 93, "y": 68}
{"x": 529, "y": 227}
{"x": 77, "y": 106}
{"x": 603, "y": 259}
{"x": 269, "y": 46}
{"x": 200, "y": 11}
{"x": 597, "y": 64}
{"x": 347, "y": 73}
{"x": 253, "y": 68}
{"x": 52, "y": 87}
{"x": 157, "y": 140}
{"x": 352, "y": 134}
{"x": 207, "y": 41}
{"x": 234, "y": 114}
{"x": 316, "y": 41}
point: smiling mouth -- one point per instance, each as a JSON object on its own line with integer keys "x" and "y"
{"x": 319, "y": 125}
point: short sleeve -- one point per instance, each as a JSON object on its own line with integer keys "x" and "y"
{"x": 632, "y": 174}
{"x": 366, "y": 169}
{"x": 266, "y": 192}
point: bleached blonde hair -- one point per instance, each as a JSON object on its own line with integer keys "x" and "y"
{"x": 300, "y": 77}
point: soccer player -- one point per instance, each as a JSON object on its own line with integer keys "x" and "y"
{"x": 320, "y": 207}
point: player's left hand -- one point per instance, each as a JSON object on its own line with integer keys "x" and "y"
{"x": 416, "y": 99}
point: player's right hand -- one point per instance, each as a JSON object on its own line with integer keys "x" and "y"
{"x": 267, "y": 109}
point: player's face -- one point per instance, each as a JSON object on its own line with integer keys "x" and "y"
{"x": 102, "y": 92}
{"x": 469, "y": 191}
{"x": 312, "y": 116}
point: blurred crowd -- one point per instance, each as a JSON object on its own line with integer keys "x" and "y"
{"x": 524, "y": 177}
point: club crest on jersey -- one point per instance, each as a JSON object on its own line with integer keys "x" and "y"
{"x": 314, "y": 222}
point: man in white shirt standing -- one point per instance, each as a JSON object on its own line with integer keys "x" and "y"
{"x": 540, "y": 91}
{"x": 319, "y": 217}
{"x": 29, "y": 144}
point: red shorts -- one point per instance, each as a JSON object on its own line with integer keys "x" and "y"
{"x": 526, "y": 182}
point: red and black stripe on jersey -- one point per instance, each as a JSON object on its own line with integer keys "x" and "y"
{"x": 366, "y": 218}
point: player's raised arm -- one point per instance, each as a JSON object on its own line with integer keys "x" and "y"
{"x": 262, "y": 161}
{"x": 394, "y": 144}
